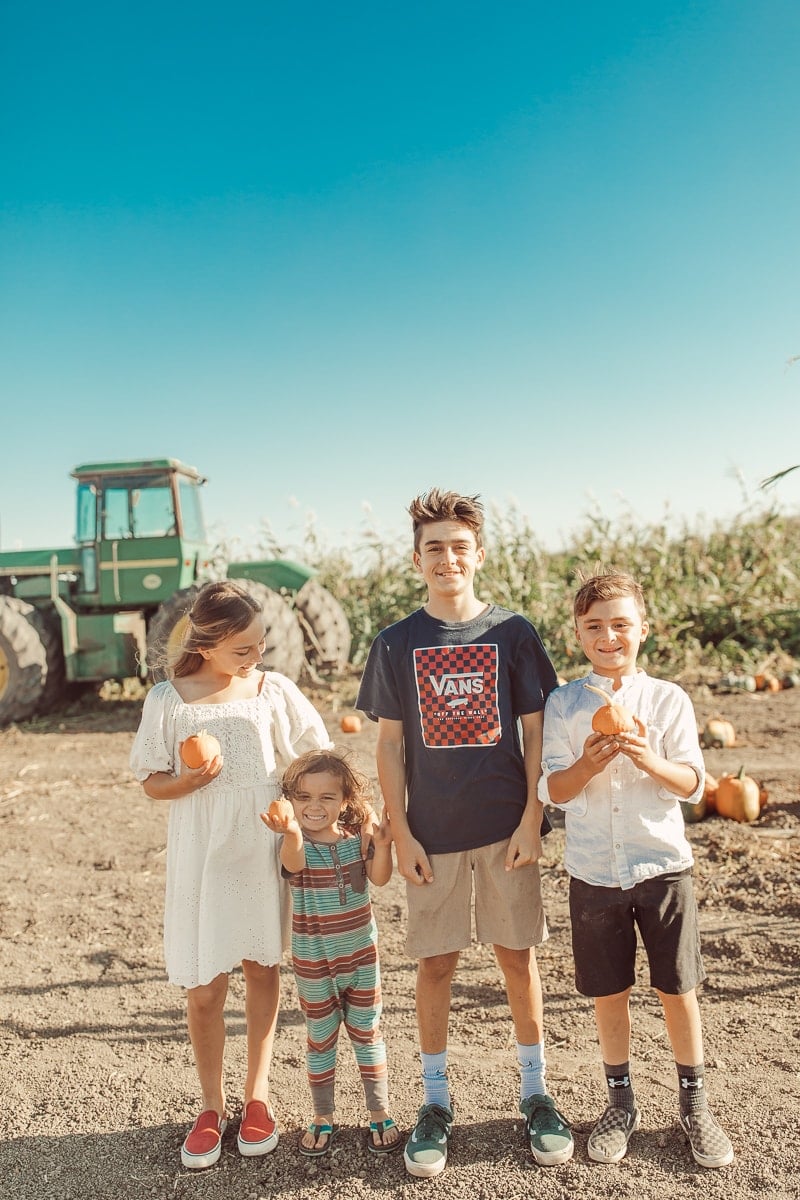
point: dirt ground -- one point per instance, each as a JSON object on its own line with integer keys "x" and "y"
{"x": 98, "y": 1085}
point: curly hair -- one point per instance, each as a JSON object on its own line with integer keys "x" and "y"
{"x": 356, "y": 788}
{"x": 436, "y": 505}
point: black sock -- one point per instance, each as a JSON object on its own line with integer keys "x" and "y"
{"x": 620, "y": 1092}
{"x": 691, "y": 1088}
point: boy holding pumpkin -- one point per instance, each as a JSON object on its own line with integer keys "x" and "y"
{"x": 458, "y": 689}
{"x": 619, "y": 769}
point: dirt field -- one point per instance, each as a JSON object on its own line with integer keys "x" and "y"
{"x": 98, "y": 1085}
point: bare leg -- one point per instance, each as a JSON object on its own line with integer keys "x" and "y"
{"x": 434, "y": 978}
{"x": 613, "y": 1019}
{"x": 262, "y": 995}
{"x": 524, "y": 991}
{"x": 205, "y": 1011}
{"x": 682, "y": 1018}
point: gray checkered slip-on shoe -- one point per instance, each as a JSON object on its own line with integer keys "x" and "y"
{"x": 711, "y": 1146}
{"x": 608, "y": 1141}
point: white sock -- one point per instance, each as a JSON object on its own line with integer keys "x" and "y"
{"x": 531, "y": 1070}
{"x": 434, "y": 1079}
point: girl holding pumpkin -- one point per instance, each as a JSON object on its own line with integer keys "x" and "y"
{"x": 334, "y": 936}
{"x": 224, "y": 899}
{"x": 619, "y": 768}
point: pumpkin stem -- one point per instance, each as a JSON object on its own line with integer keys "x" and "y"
{"x": 599, "y": 691}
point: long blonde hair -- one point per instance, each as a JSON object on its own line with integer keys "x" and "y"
{"x": 220, "y": 610}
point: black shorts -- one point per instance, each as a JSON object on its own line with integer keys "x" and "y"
{"x": 604, "y": 923}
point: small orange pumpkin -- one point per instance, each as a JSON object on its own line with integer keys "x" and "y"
{"x": 767, "y": 683}
{"x": 280, "y": 809}
{"x": 763, "y": 795}
{"x": 611, "y": 718}
{"x": 738, "y": 797}
{"x": 350, "y": 723}
{"x": 200, "y": 748}
{"x": 718, "y": 734}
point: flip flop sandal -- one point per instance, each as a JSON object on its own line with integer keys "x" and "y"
{"x": 383, "y": 1148}
{"x": 328, "y": 1131}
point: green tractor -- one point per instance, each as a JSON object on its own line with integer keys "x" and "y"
{"x": 110, "y": 606}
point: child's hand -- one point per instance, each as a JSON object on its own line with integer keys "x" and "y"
{"x": 368, "y": 828}
{"x": 382, "y": 833}
{"x": 197, "y": 777}
{"x": 280, "y": 817}
{"x": 636, "y": 747}
{"x": 599, "y": 750}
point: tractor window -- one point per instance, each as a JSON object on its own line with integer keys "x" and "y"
{"x": 87, "y": 513}
{"x": 137, "y": 512}
{"x": 116, "y": 523}
{"x": 152, "y": 514}
{"x": 191, "y": 512}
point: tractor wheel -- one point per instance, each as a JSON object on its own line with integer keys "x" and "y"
{"x": 325, "y": 627}
{"x": 285, "y": 651}
{"x": 165, "y": 630}
{"x": 55, "y": 687}
{"x": 23, "y": 661}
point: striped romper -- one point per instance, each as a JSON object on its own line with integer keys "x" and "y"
{"x": 335, "y": 960}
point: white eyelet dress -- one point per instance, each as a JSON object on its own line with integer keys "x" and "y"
{"x": 225, "y": 899}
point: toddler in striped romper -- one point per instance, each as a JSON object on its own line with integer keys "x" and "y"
{"x": 334, "y": 936}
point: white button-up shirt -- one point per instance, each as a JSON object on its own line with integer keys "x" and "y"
{"x": 623, "y": 827}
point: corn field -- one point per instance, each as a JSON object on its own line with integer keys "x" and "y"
{"x": 719, "y": 600}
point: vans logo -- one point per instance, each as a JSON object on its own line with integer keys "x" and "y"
{"x": 457, "y": 690}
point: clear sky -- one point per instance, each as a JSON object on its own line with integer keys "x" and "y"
{"x": 332, "y": 254}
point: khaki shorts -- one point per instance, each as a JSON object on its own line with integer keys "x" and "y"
{"x": 507, "y": 904}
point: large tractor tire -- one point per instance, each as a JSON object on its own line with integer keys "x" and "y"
{"x": 55, "y": 687}
{"x": 284, "y": 651}
{"x": 23, "y": 660}
{"x": 325, "y": 628}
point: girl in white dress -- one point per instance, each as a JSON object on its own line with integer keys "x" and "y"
{"x": 225, "y": 902}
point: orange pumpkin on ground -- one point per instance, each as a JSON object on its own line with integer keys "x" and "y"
{"x": 763, "y": 795}
{"x": 611, "y": 718}
{"x": 200, "y": 748}
{"x": 767, "y": 683}
{"x": 350, "y": 723}
{"x": 280, "y": 809}
{"x": 738, "y": 797}
{"x": 718, "y": 734}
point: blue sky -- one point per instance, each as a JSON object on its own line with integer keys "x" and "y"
{"x": 334, "y": 254}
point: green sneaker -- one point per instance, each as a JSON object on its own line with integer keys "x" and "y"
{"x": 548, "y": 1133}
{"x": 426, "y": 1149}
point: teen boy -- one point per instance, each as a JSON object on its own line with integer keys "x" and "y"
{"x": 628, "y": 858}
{"x": 451, "y": 686}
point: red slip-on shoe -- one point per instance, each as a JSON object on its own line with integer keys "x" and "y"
{"x": 258, "y": 1132}
{"x": 203, "y": 1144}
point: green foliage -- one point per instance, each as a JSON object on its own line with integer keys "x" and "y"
{"x": 722, "y": 599}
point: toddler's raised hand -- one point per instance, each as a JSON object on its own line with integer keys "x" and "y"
{"x": 279, "y": 817}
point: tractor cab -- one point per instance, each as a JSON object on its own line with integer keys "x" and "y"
{"x": 139, "y": 532}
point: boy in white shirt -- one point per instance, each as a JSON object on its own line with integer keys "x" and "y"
{"x": 628, "y": 857}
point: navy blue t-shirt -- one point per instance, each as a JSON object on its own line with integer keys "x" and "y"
{"x": 459, "y": 688}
